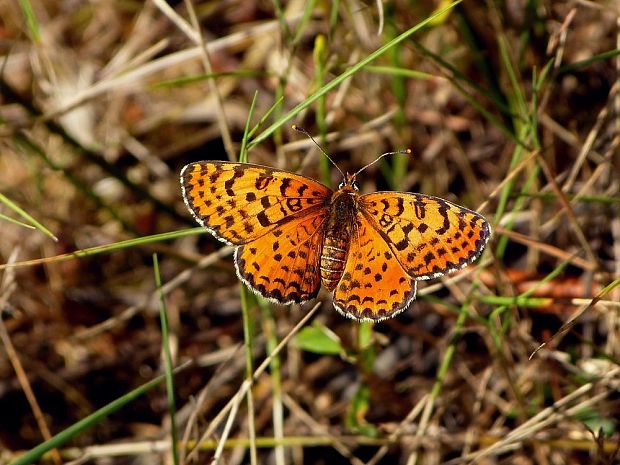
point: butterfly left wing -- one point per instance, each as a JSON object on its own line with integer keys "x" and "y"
{"x": 374, "y": 286}
{"x": 240, "y": 202}
{"x": 429, "y": 235}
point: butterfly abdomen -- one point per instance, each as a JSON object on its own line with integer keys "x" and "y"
{"x": 333, "y": 259}
{"x": 337, "y": 238}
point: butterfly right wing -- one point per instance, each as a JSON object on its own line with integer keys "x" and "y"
{"x": 240, "y": 202}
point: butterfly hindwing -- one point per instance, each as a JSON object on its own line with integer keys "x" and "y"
{"x": 374, "y": 285}
{"x": 283, "y": 265}
{"x": 240, "y": 202}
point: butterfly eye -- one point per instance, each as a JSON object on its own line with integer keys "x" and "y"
{"x": 355, "y": 185}
{"x": 341, "y": 185}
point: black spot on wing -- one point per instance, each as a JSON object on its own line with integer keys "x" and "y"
{"x": 294, "y": 204}
{"x": 284, "y": 185}
{"x": 263, "y": 219}
{"x": 263, "y": 181}
{"x": 408, "y": 228}
{"x": 401, "y": 245}
{"x": 400, "y": 206}
{"x": 419, "y": 208}
{"x": 265, "y": 202}
{"x": 230, "y": 183}
{"x": 443, "y": 211}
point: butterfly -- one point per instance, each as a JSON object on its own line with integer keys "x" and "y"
{"x": 293, "y": 234}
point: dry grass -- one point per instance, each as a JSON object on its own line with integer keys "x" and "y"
{"x": 512, "y": 111}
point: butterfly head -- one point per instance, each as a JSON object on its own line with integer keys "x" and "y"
{"x": 349, "y": 183}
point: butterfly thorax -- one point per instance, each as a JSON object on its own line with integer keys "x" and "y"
{"x": 338, "y": 232}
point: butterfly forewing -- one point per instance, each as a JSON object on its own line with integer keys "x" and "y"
{"x": 429, "y": 235}
{"x": 240, "y": 202}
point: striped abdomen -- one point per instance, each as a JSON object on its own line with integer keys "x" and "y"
{"x": 333, "y": 258}
{"x": 337, "y": 237}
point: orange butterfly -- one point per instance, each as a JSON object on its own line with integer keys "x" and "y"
{"x": 293, "y": 233}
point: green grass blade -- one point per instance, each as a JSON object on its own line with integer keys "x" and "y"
{"x": 108, "y": 247}
{"x": 165, "y": 340}
{"x": 303, "y": 23}
{"x": 31, "y": 20}
{"x": 91, "y": 420}
{"x": 249, "y": 331}
{"x": 264, "y": 118}
{"x": 348, "y": 73}
{"x": 21, "y": 212}
{"x": 587, "y": 62}
{"x": 516, "y": 96}
{"x": 243, "y": 151}
{"x": 275, "y": 371}
{"x": 399, "y": 72}
{"x": 17, "y": 222}
{"x": 320, "y": 56}
{"x": 185, "y": 80}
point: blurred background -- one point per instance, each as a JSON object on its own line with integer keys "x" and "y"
{"x": 510, "y": 108}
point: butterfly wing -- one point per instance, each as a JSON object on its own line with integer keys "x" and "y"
{"x": 283, "y": 265}
{"x": 240, "y": 202}
{"x": 275, "y": 217}
{"x": 429, "y": 235}
{"x": 374, "y": 285}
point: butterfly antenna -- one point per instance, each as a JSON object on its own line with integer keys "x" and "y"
{"x": 402, "y": 152}
{"x": 303, "y": 131}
